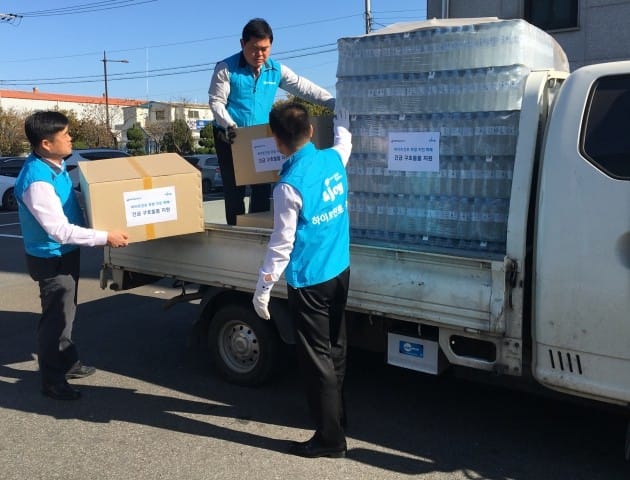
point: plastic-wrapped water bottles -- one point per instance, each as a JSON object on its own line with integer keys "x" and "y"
{"x": 464, "y": 224}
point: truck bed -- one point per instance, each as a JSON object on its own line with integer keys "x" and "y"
{"x": 443, "y": 290}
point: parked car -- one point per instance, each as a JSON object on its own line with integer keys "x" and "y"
{"x": 208, "y": 164}
{"x": 6, "y": 192}
{"x": 11, "y": 166}
{"x": 72, "y": 161}
{"x": 9, "y": 169}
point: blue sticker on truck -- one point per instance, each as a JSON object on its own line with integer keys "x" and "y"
{"x": 412, "y": 349}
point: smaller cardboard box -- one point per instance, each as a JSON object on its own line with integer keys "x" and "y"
{"x": 151, "y": 196}
{"x": 256, "y": 159}
{"x": 258, "y": 219}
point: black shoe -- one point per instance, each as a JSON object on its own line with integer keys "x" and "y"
{"x": 313, "y": 448}
{"x": 61, "y": 391}
{"x": 79, "y": 370}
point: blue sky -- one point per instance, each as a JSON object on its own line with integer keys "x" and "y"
{"x": 171, "y": 45}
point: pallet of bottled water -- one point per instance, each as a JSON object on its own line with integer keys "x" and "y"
{"x": 449, "y": 44}
{"x": 463, "y": 82}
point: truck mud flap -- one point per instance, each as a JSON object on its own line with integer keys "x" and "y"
{"x": 415, "y": 353}
{"x": 125, "y": 280}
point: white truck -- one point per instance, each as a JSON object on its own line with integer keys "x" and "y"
{"x": 555, "y": 308}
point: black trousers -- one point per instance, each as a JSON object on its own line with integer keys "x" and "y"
{"x": 321, "y": 345}
{"x": 58, "y": 280}
{"x": 233, "y": 194}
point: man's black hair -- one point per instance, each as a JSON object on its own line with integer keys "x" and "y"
{"x": 257, "y": 28}
{"x": 44, "y": 125}
{"x": 290, "y": 123}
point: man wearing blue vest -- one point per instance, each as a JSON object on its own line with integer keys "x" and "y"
{"x": 310, "y": 243}
{"x": 52, "y": 227}
{"x": 242, "y": 91}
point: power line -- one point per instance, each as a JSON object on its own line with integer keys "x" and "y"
{"x": 84, "y": 8}
{"x": 169, "y": 71}
{"x": 159, "y": 72}
{"x": 170, "y": 44}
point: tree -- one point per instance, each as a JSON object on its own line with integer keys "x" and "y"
{"x": 313, "y": 110}
{"x": 135, "y": 140}
{"x": 179, "y": 139}
{"x": 12, "y": 137}
{"x": 157, "y": 131}
{"x": 88, "y": 131}
{"x": 206, "y": 139}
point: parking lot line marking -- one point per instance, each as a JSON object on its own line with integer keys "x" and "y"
{"x": 10, "y": 236}
{"x": 8, "y": 224}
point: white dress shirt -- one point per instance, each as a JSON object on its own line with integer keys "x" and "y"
{"x": 291, "y": 82}
{"x": 42, "y": 201}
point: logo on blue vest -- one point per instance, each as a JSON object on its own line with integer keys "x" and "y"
{"x": 332, "y": 187}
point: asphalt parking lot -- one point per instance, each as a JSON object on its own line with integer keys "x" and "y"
{"x": 156, "y": 410}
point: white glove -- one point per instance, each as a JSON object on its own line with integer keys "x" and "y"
{"x": 262, "y": 296}
{"x": 342, "y": 118}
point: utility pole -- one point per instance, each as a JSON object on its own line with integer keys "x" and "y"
{"x": 105, "y": 60}
{"x": 368, "y": 17}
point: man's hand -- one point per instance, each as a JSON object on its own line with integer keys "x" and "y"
{"x": 262, "y": 295}
{"x": 228, "y": 135}
{"x": 261, "y": 304}
{"x": 117, "y": 239}
{"x": 231, "y": 133}
{"x": 342, "y": 118}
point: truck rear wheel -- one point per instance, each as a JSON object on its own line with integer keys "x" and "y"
{"x": 244, "y": 348}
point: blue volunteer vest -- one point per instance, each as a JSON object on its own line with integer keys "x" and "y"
{"x": 250, "y": 99}
{"x": 322, "y": 241}
{"x": 36, "y": 241}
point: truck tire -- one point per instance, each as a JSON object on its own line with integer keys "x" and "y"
{"x": 243, "y": 347}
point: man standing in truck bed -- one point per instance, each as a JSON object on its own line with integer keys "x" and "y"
{"x": 242, "y": 91}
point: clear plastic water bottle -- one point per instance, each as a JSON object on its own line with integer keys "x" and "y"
{"x": 475, "y": 218}
{"x": 464, "y": 177}
{"x": 464, "y": 224}
{"x": 433, "y": 217}
{"x": 488, "y": 178}
{"x": 476, "y": 174}
{"x": 370, "y": 214}
{"x": 382, "y": 204}
{"x": 503, "y": 176}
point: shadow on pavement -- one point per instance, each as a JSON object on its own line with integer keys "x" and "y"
{"x": 424, "y": 423}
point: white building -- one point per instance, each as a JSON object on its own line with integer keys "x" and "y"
{"x": 123, "y": 113}
{"x": 196, "y": 116}
{"x": 81, "y": 105}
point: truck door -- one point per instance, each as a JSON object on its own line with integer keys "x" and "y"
{"x": 581, "y": 291}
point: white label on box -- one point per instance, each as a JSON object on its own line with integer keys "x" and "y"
{"x": 414, "y": 151}
{"x": 150, "y": 206}
{"x": 266, "y": 155}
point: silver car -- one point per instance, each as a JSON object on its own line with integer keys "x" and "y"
{"x": 208, "y": 164}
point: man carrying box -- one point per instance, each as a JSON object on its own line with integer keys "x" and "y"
{"x": 241, "y": 94}
{"x": 52, "y": 227}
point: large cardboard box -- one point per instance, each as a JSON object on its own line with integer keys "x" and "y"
{"x": 256, "y": 159}
{"x": 149, "y": 197}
